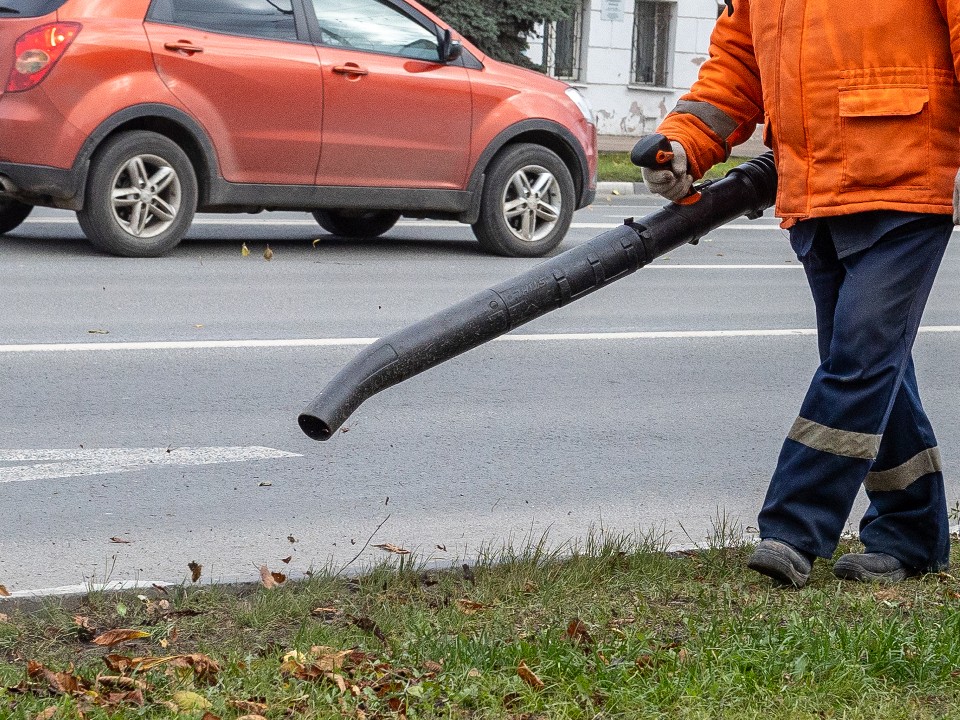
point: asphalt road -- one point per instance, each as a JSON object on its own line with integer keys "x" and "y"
{"x": 128, "y": 462}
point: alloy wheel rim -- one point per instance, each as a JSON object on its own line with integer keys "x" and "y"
{"x": 532, "y": 203}
{"x": 146, "y": 196}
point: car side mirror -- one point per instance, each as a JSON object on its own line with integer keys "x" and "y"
{"x": 450, "y": 49}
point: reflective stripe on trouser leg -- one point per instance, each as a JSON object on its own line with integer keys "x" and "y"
{"x": 877, "y": 298}
{"x": 907, "y": 517}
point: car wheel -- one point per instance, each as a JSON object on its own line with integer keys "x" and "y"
{"x": 12, "y": 213}
{"x": 526, "y": 204}
{"x": 356, "y": 224}
{"x": 141, "y": 195}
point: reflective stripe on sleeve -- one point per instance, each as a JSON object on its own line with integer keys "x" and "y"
{"x": 833, "y": 441}
{"x": 712, "y": 116}
{"x": 903, "y": 476}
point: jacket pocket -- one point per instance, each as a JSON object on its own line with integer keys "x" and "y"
{"x": 885, "y": 136}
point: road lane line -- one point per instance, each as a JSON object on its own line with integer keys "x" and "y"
{"x": 358, "y": 341}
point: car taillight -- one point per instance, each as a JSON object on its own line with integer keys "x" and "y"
{"x": 37, "y": 51}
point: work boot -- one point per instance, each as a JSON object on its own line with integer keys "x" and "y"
{"x": 782, "y": 562}
{"x": 870, "y": 567}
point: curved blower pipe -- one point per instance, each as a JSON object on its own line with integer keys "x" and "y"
{"x": 748, "y": 189}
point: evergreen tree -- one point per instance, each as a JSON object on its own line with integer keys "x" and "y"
{"x": 500, "y": 27}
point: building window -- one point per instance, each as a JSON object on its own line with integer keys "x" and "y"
{"x": 652, "y": 33}
{"x": 561, "y": 45}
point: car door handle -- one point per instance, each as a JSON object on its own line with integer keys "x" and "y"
{"x": 183, "y": 46}
{"x": 350, "y": 69}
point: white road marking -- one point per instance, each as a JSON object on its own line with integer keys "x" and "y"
{"x": 407, "y": 223}
{"x": 47, "y": 464}
{"x": 359, "y": 341}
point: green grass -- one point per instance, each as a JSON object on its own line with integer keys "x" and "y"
{"x": 614, "y": 629}
{"x": 616, "y": 166}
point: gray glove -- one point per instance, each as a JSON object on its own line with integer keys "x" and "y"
{"x": 956, "y": 199}
{"x": 675, "y": 183}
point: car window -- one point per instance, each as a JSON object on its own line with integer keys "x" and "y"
{"x": 28, "y": 8}
{"x": 272, "y": 19}
{"x": 374, "y": 26}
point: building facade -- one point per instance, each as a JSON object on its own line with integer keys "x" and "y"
{"x": 631, "y": 58}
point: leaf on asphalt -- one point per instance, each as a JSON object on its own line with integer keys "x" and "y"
{"x": 119, "y": 635}
{"x": 4, "y": 592}
{"x": 578, "y": 633}
{"x": 188, "y": 701}
{"x": 119, "y": 541}
{"x": 268, "y": 253}
{"x": 391, "y": 548}
{"x": 46, "y": 714}
{"x": 529, "y": 677}
{"x": 195, "y": 570}
{"x": 470, "y": 607}
{"x": 244, "y": 250}
{"x": 98, "y": 332}
{"x": 316, "y": 242}
{"x": 287, "y": 559}
{"x": 269, "y": 579}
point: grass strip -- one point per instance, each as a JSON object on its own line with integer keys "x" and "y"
{"x": 616, "y": 167}
{"x": 613, "y": 628}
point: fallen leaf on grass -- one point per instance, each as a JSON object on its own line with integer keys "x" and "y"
{"x": 195, "y": 570}
{"x": 529, "y": 677}
{"x": 46, "y": 714}
{"x": 205, "y": 668}
{"x": 578, "y": 633}
{"x": 253, "y": 708}
{"x": 251, "y": 717}
{"x": 368, "y": 625}
{"x": 470, "y": 607}
{"x": 120, "y": 635}
{"x": 210, "y": 716}
{"x": 326, "y": 613}
{"x": 269, "y": 579}
{"x": 391, "y": 548}
{"x": 188, "y": 701}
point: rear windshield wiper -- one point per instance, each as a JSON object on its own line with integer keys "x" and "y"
{"x": 9, "y": 10}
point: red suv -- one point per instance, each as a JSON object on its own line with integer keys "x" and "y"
{"x": 138, "y": 113}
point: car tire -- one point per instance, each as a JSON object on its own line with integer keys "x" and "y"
{"x": 141, "y": 195}
{"x": 526, "y": 203}
{"x": 356, "y": 224}
{"x": 12, "y": 213}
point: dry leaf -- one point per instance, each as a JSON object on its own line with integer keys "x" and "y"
{"x": 268, "y": 253}
{"x": 391, "y": 548}
{"x": 244, "y": 250}
{"x": 195, "y": 570}
{"x": 251, "y": 717}
{"x": 210, "y": 716}
{"x": 578, "y": 633}
{"x": 98, "y": 332}
{"x": 119, "y": 541}
{"x": 120, "y": 635}
{"x": 316, "y": 242}
{"x": 269, "y": 579}
{"x": 325, "y": 612}
{"x": 529, "y": 677}
{"x": 287, "y": 559}
{"x": 470, "y": 607}
{"x": 4, "y": 592}
{"x": 46, "y": 714}
{"x": 251, "y": 707}
{"x": 4, "y": 617}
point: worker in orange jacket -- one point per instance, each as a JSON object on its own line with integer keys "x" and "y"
{"x": 861, "y": 105}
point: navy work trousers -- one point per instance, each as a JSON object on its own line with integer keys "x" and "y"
{"x": 862, "y": 422}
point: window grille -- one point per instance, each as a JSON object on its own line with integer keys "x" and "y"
{"x": 652, "y": 42}
{"x": 562, "y": 41}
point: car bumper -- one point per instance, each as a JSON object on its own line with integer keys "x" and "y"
{"x": 43, "y": 185}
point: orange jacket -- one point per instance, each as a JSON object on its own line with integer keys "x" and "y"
{"x": 860, "y": 98}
